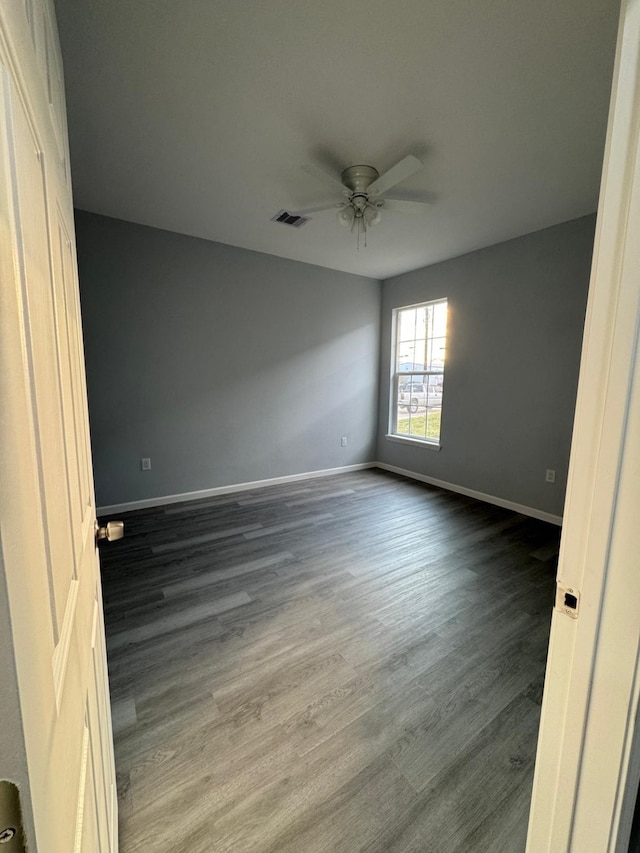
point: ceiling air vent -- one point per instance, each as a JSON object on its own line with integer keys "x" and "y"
{"x": 290, "y": 219}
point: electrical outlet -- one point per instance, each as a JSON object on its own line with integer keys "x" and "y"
{"x": 343, "y": 442}
{"x": 550, "y": 476}
{"x": 145, "y": 464}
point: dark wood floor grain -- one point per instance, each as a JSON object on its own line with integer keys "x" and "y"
{"x": 352, "y": 663}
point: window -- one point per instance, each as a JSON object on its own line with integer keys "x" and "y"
{"x": 418, "y": 371}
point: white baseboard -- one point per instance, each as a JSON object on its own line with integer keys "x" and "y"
{"x": 472, "y": 493}
{"x": 223, "y": 490}
{"x": 328, "y": 472}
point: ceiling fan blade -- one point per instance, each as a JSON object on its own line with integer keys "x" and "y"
{"x": 318, "y": 208}
{"x": 323, "y": 175}
{"x": 399, "y": 205}
{"x": 404, "y": 169}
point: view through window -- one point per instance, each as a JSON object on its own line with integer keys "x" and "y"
{"x": 418, "y": 382}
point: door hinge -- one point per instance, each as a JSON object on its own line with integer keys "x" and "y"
{"x": 567, "y": 600}
{"x": 10, "y": 819}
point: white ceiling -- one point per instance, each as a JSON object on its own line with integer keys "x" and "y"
{"x": 196, "y": 116}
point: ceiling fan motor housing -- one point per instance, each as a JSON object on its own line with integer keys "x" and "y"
{"x": 359, "y": 178}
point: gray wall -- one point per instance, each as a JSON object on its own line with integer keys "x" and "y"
{"x": 515, "y": 323}
{"x": 222, "y": 365}
{"x": 227, "y": 366}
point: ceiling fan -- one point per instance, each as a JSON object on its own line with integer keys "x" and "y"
{"x": 365, "y": 191}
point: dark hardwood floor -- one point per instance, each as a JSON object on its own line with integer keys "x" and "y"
{"x": 352, "y": 663}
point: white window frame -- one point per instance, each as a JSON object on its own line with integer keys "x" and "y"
{"x": 396, "y": 375}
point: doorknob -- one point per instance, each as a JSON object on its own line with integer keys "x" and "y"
{"x": 111, "y": 531}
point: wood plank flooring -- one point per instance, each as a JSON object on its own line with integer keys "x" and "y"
{"x": 352, "y": 663}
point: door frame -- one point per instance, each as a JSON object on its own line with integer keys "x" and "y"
{"x": 587, "y": 767}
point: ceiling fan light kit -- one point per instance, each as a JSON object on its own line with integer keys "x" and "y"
{"x": 363, "y": 187}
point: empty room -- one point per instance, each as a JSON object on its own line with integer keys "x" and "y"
{"x": 317, "y": 508}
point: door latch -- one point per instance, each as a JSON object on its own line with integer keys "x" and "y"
{"x": 567, "y": 600}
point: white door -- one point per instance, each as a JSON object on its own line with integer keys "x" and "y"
{"x": 55, "y": 733}
{"x": 588, "y": 761}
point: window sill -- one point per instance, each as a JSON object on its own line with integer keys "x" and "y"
{"x": 416, "y": 442}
